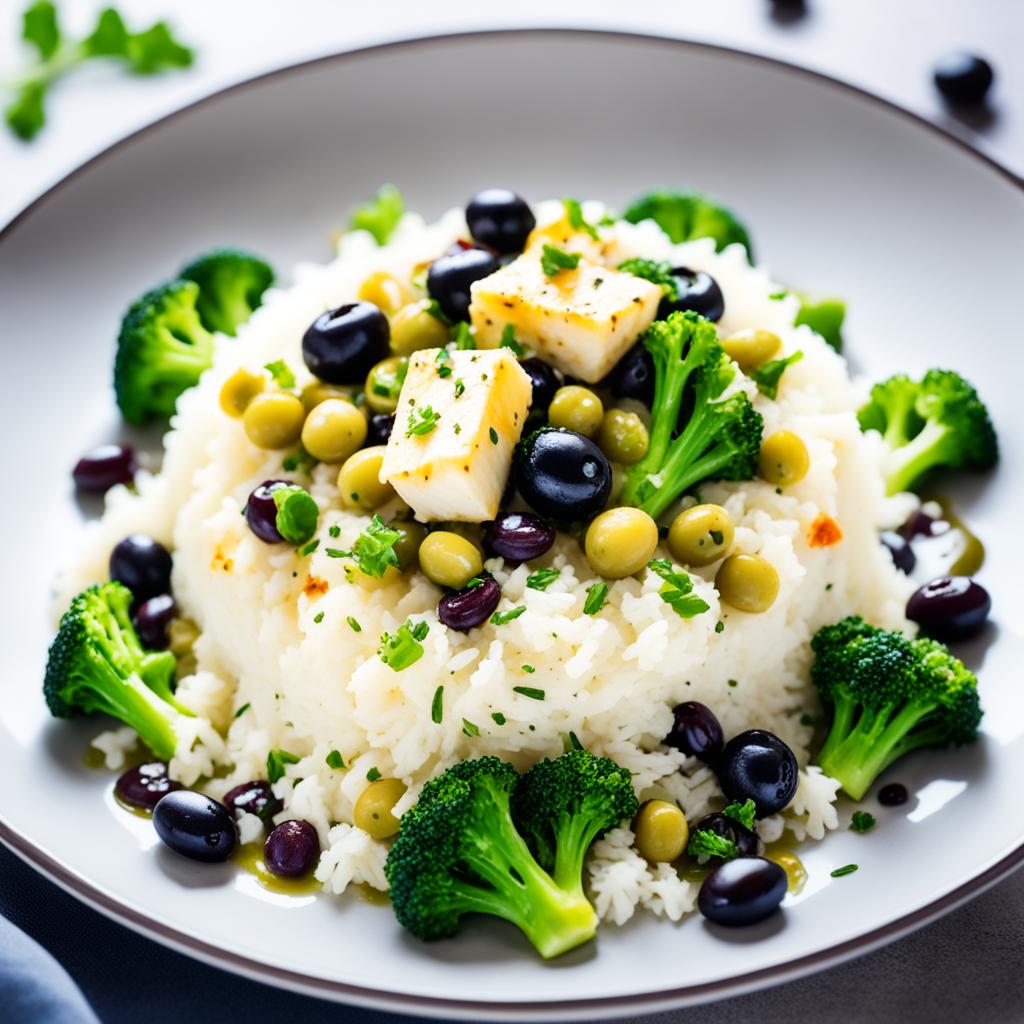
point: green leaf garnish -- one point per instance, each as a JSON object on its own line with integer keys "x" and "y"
{"x": 282, "y": 373}
{"x": 380, "y": 216}
{"x": 276, "y": 760}
{"x": 767, "y": 375}
{"x": 542, "y": 579}
{"x": 574, "y": 212}
{"x": 744, "y": 812}
{"x": 297, "y": 514}
{"x": 374, "y": 549}
{"x": 677, "y": 590}
{"x": 422, "y": 421}
{"x": 597, "y": 594}
{"x": 554, "y": 261}
{"x": 402, "y": 648}
{"x": 656, "y": 271}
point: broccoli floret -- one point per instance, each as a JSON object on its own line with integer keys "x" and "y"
{"x": 561, "y": 806}
{"x": 162, "y": 351}
{"x": 96, "y": 663}
{"x": 937, "y": 422}
{"x": 231, "y": 285}
{"x": 687, "y": 215}
{"x": 721, "y": 439}
{"x": 889, "y": 695}
{"x": 458, "y": 852}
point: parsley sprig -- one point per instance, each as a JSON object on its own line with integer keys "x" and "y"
{"x": 677, "y": 590}
{"x": 542, "y": 579}
{"x": 374, "y": 549}
{"x": 422, "y": 420}
{"x": 402, "y": 648}
{"x": 656, "y": 271}
{"x": 574, "y": 212}
{"x": 554, "y": 261}
{"x": 380, "y": 216}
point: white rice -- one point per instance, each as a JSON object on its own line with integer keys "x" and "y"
{"x": 310, "y": 687}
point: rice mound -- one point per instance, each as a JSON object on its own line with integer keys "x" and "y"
{"x": 276, "y": 639}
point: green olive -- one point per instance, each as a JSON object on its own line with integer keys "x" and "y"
{"x": 407, "y": 547}
{"x": 384, "y": 290}
{"x": 623, "y": 436}
{"x": 749, "y": 349}
{"x": 784, "y": 459}
{"x": 620, "y": 542}
{"x": 449, "y": 560}
{"x": 413, "y": 328}
{"x": 373, "y": 809}
{"x": 238, "y": 391}
{"x": 274, "y": 420}
{"x": 359, "y": 480}
{"x": 317, "y": 391}
{"x": 748, "y": 582}
{"x": 576, "y": 408}
{"x": 334, "y": 430}
{"x": 384, "y": 383}
{"x": 661, "y": 831}
{"x": 700, "y": 535}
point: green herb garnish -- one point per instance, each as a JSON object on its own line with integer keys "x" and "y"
{"x": 677, "y": 589}
{"x": 469, "y": 729}
{"x": 705, "y": 844}
{"x": 744, "y": 812}
{"x": 493, "y": 435}
{"x": 354, "y": 625}
{"x": 299, "y": 460}
{"x": 846, "y": 869}
{"x": 862, "y": 821}
{"x": 767, "y": 375}
{"x": 282, "y": 373}
{"x": 500, "y": 618}
{"x": 508, "y": 340}
{"x": 421, "y": 421}
{"x": 437, "y": 706}
{"x": 310, "y": 547}
{"x": 374, "y": 549}
{"x": 444, "y": 363}
{"x": 276, "y": 760}
{"x": 373, "y": 775}
{"x": 499, "y": 718}
{"x": 542, "y": 579}
{"x": 335, "y": 760}
{"x": 528, "y": 669}
{"x": 574, "y": 212}
{"x": 380, "y": 216}
{"x": 402, "y": 648}
{"x": 242, "y": 710}
{"x": 529, "y": 691}
{"x": 597, "y": 594}
{"x": 297, "y": 514}
{"x": 318, "y": 618}
{"x": 460, "y": 387}
{"x": 656, "y": 271}
{"x": 554, "y": 261}
{"x": 463, "y": 336}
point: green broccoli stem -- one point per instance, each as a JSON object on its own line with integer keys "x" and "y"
{"x": 861, "y": 746}
{"x": 911, "y": 459}
{"x": 574, "y": 834}
{"x": 553, "y": 918}
{"x": 229, "y": 308}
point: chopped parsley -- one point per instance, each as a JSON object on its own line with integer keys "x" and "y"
{"x": 282, "y": 374}
{"x": 767, "y": 375}
{"x": 310, "y": 547}
{"x": 656, "y": 271}
{"x": 597, "y": 594}
{"x": 677, "y": 590}
{"x": 403, "y": 648}
{"x": 464, "y": 336}
{"x": 744, "y": 812}
{"x": 242, "y": 710}
{"x": 846, "y": 869}
{"x": 373, "y": 775}
{"x": 807, "y": 719}
{"x": 276, "y": 760}
{"x": 493, "y": 435}
{"x": 705, "y": 844}
{"x": 336, "y": 553}
{"x": 500, "y": 618}
{"x": 719, "y": 626}
{"x": 297, "y": 514}
{"x": 318, "y": 618}
{"x": 335, "y": 760}
{"x": 508, "y": 340}
{"x": 574, "y": 212}
{"x": 460, "y": 388}
{"x": 334, "y": 530}
{"x": 732, "y": 683}
{"x": 444, "y": 363}
{"x": 380, "y": 216}
{"x": 374, "y": 549}
{"x": 542, "y": 579}
{"x": 474, "y": 582}
{"x": 299, "y": 461}
{"x": 498, "y": 717}
{"x": 435, "y": 310}
{"x": 776, "y": 296}
{"x": 528, "y": 668}
{"x": 554, "y": 261}
{"x": 862, "y": 822}
{"x": 469, "y": 729}
{"x": 354, "y": 624}
{"x": 529, "y": 691}
{"x": 437, "y": 706}
{"x": 421, "y": 421}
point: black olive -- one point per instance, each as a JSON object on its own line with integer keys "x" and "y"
{"x": 633, "y": 376}
{"x": 950, "y": 607}
{"x": 343, "y": 344}
{"x": 697, "y": 291}
{"x": 963, "y": 77}
{"x": 742, "y": 891}
{"x": 292, "y": 849}
{"x": 103, "y": 467}
{"x": 518, "y": 536}
{"x": 256, "y": 797}
{"x": 756, "y": 765}
{"x": 894, "y": 794}
{"x": 562, "y": 474}
{"x": 545, "y": 379}
{"x": 899, "y": 549}
{"x": 261, "y": 511}
{"x": 379, "y": 430}
{"x": 449, "y": 278}
{"x": 143, "y": 565}
{"x": 152, "y": 619}
{"x": 500, "y": 219}
{"x": 695, "y": 731}
{"x": 145, "y": 785}
{"x": 195, "y": 825}
{"x": 471, "y": 607}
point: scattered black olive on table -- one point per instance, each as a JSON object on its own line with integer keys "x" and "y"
{"x": 143, "y": 565}
{"x": 145, "y": 785}
{"x": 342, "y": 345}
{"x": 742, "y": 891}
{"x": 104, "y": 467}
{"x": 950, "y": 608}
{"x": 196, "y": 826}
{"x": 292, "y": 849}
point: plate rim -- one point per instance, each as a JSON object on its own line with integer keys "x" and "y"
{"x": 120, "y": 910}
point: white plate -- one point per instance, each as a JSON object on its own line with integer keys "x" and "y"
{"x": 843, "y": 194}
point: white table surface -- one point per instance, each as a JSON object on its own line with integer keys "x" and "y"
{"x": 966, "y": 966}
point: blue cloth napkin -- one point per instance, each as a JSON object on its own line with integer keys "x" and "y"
{"x": 34, "y": 988}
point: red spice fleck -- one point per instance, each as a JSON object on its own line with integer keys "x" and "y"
{"x": 314, "y": 586}
{"x": 824, "y": 532}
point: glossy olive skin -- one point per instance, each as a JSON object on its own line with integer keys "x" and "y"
{"x": 576, "y": 408}
{"x": 342, "y": 344}
{"x": 384, "y": 290}
{"x": 449, "y": 278}
{"x": 143, "y": 565}
{"x": 274, "y": 420}
{"x": 152, "y": 619}
{"x": 195, "y": 826}
{"x": 751, "y": 348}
{"x": 742, "y": 891}
{"x": 413, "y": 327}
{"x": 784, "y": 459}
{"x": 261, "y": 511}
{"x": 749, "y": 583}
{"x": 701, "y": 534}
{"x": 104, "y": 467}
{"x": 697, "y": 291}
{"x": 467, "y": 609}
{"x": 950, "y": 608}
{"x": 899, "y": 549}
{"x": 334, "y": 430}
{"x": 448, "y": 559}
{"x": 379, "y": 430}
{"x": 292, "y": 849}
{"x": 562, "y": 474}
{"x": 145, "y": 785}
{"x": 359, "y": 483}
{"x": 620, "y": 542}
{"x": 372, "y": 811}
{"x": 729, "y": 828}
{"x": 254, "y": 797}
{"x": 963, "y": 77}
{"x": 633, "y": 376}
{"x": 623, "y": 437}
{"x": 518, "y": 536}
{"x": 661, "y": 831}
{"x": 546, "y": 380}
{"x": 238, "y": 391}
{"x": 696, "y": 731}
{"x": 500, "y": 219}
{"x": 756, "y": 765}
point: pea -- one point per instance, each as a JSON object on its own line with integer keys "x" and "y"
{"x": 576, "y": 408}
{"x": 449, "y": 560}
{"x": 661, "y": 831}
{"x": 373, "y": 809}
{"x": 359, "y": 480}
{"x": 238, "y": 391}
{"x": 749, "y": 349}
{"x": 407, "y": 547}
{"x": 413, "y": 328}
{"x": 623, "y": 436}
{"x": 748, "y": 582}
{"x": 700, "y": 535}
{"x": 274, "y": 420}
{"x": 317, "y": 391}
{"x": 334, "y": 430}
{"x": 384, "y": 384}
{"x": 620, "y": 542}
{"x": 384, "y": 290}
{"x": 784, "y": 460}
